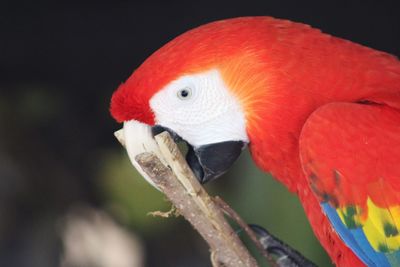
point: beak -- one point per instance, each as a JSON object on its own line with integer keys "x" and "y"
{"x": 208, "y": 161}
{"x": 120, "y": 136}
{"x": 212, "y": 160}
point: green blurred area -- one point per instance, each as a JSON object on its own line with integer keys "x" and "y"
{"x": 129, "y": 197}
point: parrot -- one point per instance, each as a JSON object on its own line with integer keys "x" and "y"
{"x": 321, "y": 114}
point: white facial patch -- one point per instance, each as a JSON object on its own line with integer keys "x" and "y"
{"x": 201, "y": 109}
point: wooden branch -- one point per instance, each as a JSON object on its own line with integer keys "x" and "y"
{"x": 235, "y": 216}
{"x": 181, "y": 187}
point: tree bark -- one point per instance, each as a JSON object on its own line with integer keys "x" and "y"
{"x": 181, "y": 187}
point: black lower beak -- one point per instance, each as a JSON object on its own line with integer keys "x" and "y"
{"x": 211, "y": 161}
{"x": 208, "y": 161}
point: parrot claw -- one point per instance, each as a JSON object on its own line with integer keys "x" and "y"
{"x": 285, "y": 256}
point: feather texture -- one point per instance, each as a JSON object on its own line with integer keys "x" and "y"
{"x": 349, "y": 153}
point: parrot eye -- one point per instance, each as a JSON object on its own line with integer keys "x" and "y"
{"x": 184, "y": 93}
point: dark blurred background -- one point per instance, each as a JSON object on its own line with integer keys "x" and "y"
{"x": 68, "y": 194}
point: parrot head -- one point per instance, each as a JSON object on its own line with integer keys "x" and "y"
{"x": 205, "y": 87}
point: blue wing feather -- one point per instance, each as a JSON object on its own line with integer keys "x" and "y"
{"x": 359, "y": 244}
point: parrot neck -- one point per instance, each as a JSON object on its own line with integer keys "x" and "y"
{"x": 274, "y": 144}
{"x": 274, "y": 133}
{"x": 290, "y": 96}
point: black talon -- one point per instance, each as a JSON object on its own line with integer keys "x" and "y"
{"x": 286, "y": 256}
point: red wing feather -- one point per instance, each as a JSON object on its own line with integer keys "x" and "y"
{"x": 350, "y": 153}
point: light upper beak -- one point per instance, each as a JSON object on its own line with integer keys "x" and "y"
{"x": 137, "y": 138}
{"x": 120, "y": 136}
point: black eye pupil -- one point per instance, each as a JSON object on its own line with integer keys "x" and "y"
{"x": 184, "y": 93}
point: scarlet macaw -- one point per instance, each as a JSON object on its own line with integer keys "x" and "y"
{"x": 320, "y": 113}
